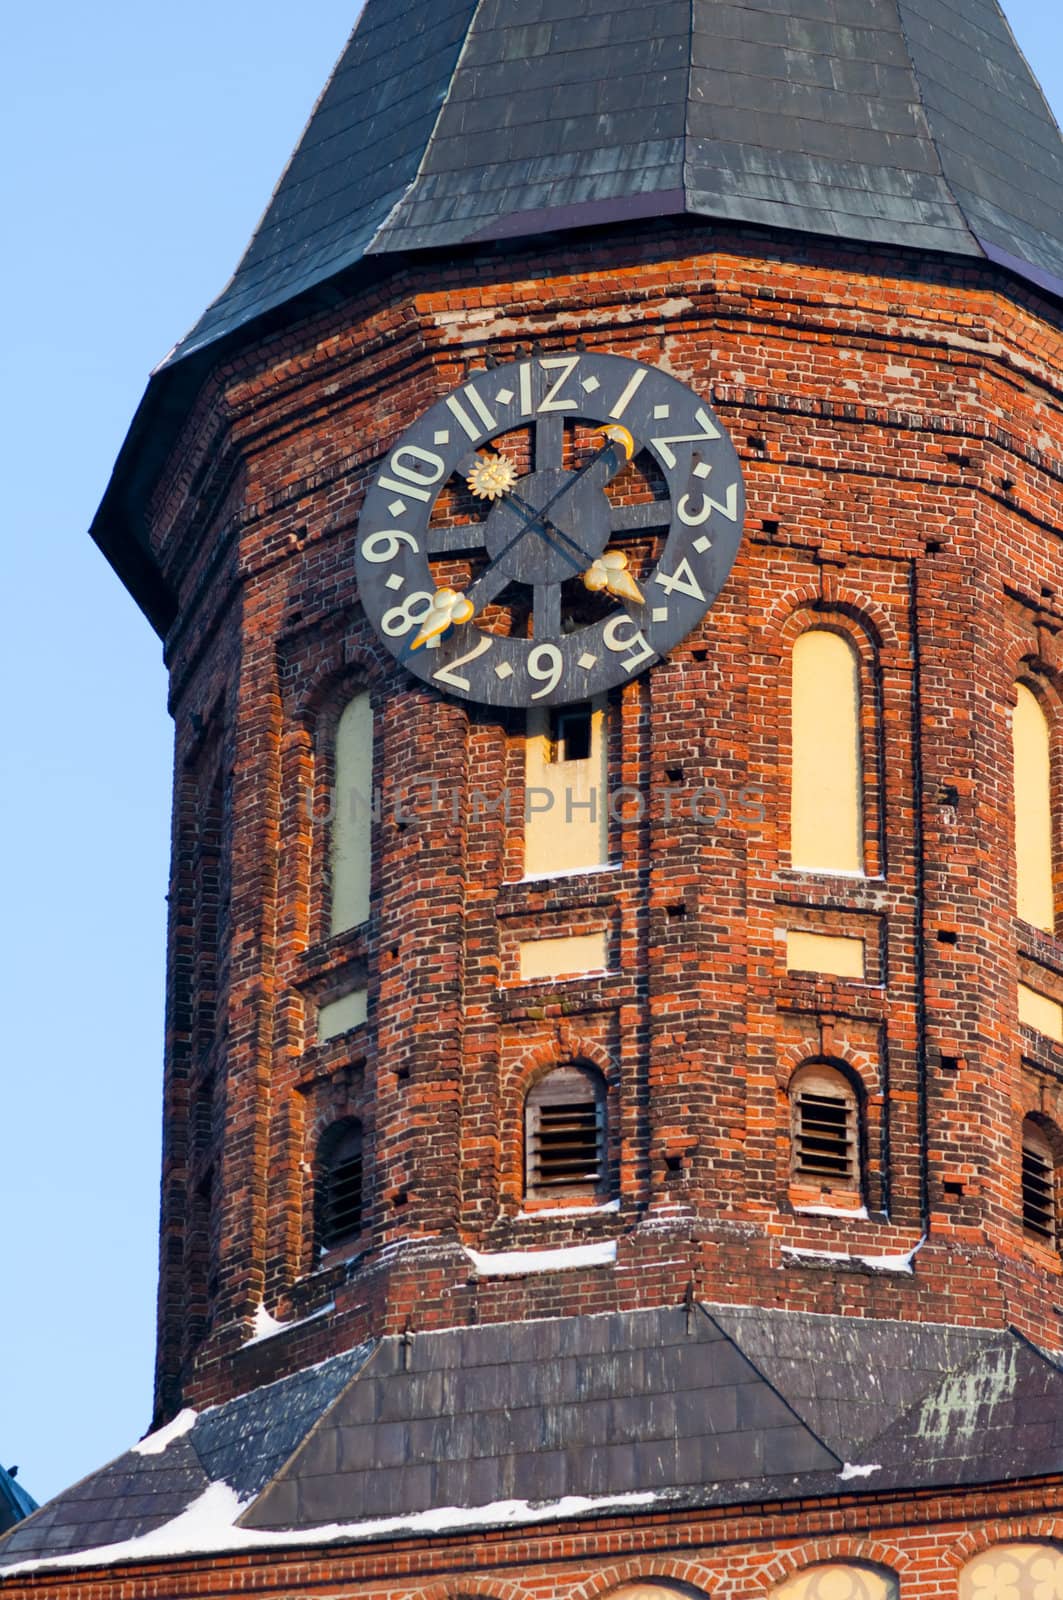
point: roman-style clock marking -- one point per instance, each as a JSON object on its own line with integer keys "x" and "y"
{"x": 582, "y": 567}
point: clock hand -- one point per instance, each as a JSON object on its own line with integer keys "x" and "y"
{"x": 607, "y": 571}
{"x": 449, "y": 607}
{"x": 615, "y": 435}
{"x": 524, "y": 505}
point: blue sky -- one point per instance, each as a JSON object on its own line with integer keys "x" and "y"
{"x": 142, "y": 143}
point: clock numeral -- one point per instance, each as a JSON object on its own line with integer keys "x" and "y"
{"x": 449, "y": 675}
{"x": 385, "y": 545}
{"x": 567, "y": 366}
{"x": 545, "y": 665}
{"x": 636, "y": 641}
{"x": 456, "y": 409}
{"x": 401, "y": 620}
{"x": 628, "y": 394}
{"x": 682, "y": 579}
{"x": 414, "y": 481}
{"x": 524, "y": 389}
{"x": 693, "y": 518}
{"x": 664, "y": 444}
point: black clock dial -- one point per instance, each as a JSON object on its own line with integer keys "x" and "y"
{"x": 549, "y": 529}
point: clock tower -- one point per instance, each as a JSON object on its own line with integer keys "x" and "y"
{"x": 606, "y": 544}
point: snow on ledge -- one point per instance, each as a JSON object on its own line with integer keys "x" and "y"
{"x": 549, "y": 1212}
{"x": 859, "y": 1215}
{"x": 153, "y": 1444}
{"x": 208, "y": 1527}
{"x": 267, "y": 1326}
{"x": 836, "y": 1258}
{"x": 517, "y": 1263}
{"x": 849, "y": 1471}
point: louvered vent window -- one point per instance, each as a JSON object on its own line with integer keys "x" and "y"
{"x": 565, "y": 1134}
{"x": 339, "y": 1185}
{"x": 1038, "y": 1185}
{"x": 825, "y": 1130}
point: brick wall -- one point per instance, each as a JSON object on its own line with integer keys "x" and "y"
{"x": 900, "y": 431}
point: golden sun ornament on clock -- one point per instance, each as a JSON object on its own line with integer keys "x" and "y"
{"x": 549, "y": 529}
{"x": 491, "y": 477}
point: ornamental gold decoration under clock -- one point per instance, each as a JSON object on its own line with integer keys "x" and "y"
{"x": 549, "y": 529}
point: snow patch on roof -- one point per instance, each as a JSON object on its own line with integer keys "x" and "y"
{"x": 209, "y": 1526}
{"x": 153, "y": 1444}
{"x": 516, "y": 1263}
{"x": 849, "y": 1471}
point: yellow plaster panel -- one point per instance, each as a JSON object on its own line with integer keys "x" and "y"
{"x": 567, "y": 957}
{"x": 566, "y": 828}
{"x": 826, "y": 803}
{"x": 349, "y": 1011}
{"x": 1035, "y": 900}
{"x": 839, "y": 955}
{"x": 1038, "y": 1011}
{"x": 352, "y": 824}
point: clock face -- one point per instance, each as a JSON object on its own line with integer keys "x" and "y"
{"x": 549, "y": 529}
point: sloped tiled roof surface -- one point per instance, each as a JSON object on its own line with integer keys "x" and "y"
{"x": 680, "y": 1408}
{"x": 899, "y": 122}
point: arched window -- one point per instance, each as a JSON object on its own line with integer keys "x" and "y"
{"x": 1014, "y": 1572}
{"x": 1032, "y": 768}
{"x": 824, "y": 1130}
{"x": 339, "y": 1184}
{"x": 826, "y": 797}
{"x": 565, "y": 1150}
{"x": 1039, "y": 1202}
{"x": 839, "y": 1581}
{"x": 352, "y": 819}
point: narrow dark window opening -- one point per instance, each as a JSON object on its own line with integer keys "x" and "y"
{"x": 340, "y": 1185}
{"x": 1038, "y": 1187}
{"x": 570, "y": 733}
{"x": 565, "y": 1135}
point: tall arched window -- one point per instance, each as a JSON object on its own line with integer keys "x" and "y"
{"x": 1013, "y": 1572}
{"x": 1040, "y": 1209}
{"x": 352, "y": 816}
{"x": 338, "y": 1184}
{"x": 1032, "y": 767}
{"x": 824, "y": 1130}
{"x": 565, "y": 1148}
{"x": 826, "y": 797}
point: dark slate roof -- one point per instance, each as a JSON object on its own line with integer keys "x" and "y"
{"x": 900, "y": 122}
{"x": 850, "y": 1381}
{"x": 645, "y": 1409}
{"x": 536, "y": 1411}
{"x": 15, "y": 1503}
{"x": 242, "y": 1444}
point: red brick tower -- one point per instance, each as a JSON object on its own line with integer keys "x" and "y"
{"x": 615, "y": 1017}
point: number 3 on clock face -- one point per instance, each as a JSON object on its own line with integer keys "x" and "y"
{"x": 549, "y": 529}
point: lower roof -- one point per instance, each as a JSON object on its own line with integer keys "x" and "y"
{"x": 516, "y": 1423}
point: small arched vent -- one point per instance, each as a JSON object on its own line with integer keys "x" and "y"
{"x": 565, "y": 1145}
